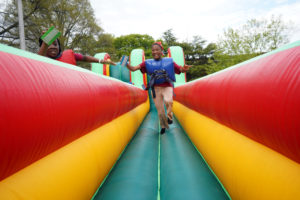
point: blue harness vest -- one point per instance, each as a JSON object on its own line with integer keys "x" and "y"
{"x": 160, "y": 71}
{"x": 162, "y": 66}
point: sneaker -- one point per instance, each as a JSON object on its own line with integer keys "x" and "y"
{"x": 163, "y": 121}
{"x": 170, "y": 121}
{"x": 162, "y": 131}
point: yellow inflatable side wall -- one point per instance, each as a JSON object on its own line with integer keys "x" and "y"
{"x": 76, "y": 170}
{"x": 247, "y": 169}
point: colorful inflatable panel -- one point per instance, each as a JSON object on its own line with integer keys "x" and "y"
{"x": 245, "y": 121}
{"x": 59, "y": 124}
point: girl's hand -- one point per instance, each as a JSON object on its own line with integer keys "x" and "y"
{"x": 108, "y": 61}
{"x": 186, "y": 67}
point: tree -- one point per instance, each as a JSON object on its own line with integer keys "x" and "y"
{"x": 105, "y": 43}
{"x": 9, "y": 21}
{"x": 278, "y": 32}
{"x": 250, "y": 40}
{"x": 198, "y": 55}
{"x": 220, "y": 61}
{"x": 169, "y": 38}
{"x": 256, "y": 36}
{"x": 125, "y": 44}
{"x": 197, "y": 43}
{"x": 73, "y": 18}
{"x": 231, "y": 43}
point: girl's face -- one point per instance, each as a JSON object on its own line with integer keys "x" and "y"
{"x": 53, "y": 50}
{"x": 156, "y": 52}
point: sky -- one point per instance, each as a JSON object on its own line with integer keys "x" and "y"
{"x": 188, "y": 18}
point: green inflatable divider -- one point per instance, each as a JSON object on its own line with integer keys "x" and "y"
{"x": 135, "y": 175}
{"x": 184, "y": 173}
{"x": 119, "y": 72}
{"x": 178, "y": 57}
{"x": 98, "y": 67}
{"x": 125, "y": 74}
{"x": 136, "y": 58}
{"x": 115, "y": 71}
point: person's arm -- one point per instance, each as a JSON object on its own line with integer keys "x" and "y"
{"x": 185, "y": 68}
{"x": 43, "y": 49}
{"x": 108, "y": 61}
{"x": 179, "y": 69}
{"x": 91, "y": 59}
{"x": 133, "y": 68}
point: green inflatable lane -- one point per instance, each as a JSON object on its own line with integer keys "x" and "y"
{"x": 177, "y": 171}
{"x": 155, "y": 166}
{"x": 135, "y": 175}
{"x": 183, "y": 172}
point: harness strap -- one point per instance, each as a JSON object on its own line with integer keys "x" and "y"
{"x": 157, "y": 74}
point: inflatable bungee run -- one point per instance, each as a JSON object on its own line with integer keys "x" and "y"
{"x": 71, "y": 133}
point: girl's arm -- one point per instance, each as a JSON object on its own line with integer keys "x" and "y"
{"x": 133, "y": 68}
{"x": 185, "y": 68}
{"x": 91, "y": 59}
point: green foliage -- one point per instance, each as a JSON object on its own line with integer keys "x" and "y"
{"x": 196, "y": 71}
{"x": 250, "y": 40}
{"x": 105, "y": 43}
{"x": 73, "y": 18}
{"x": 198, "y": 55}
{"x": 221, "y": 61}
{"x": 125, "y": 44}
{"x": 169, "y": 38}
{"x": 256, "y": 36}
{"x": 76, "y": 21}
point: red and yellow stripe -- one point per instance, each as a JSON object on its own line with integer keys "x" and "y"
{"x": 259, "y": 99}
{"x": 245, "y": 122}
{"x": 45, "y": 107}
{"x": 76, "y": 170}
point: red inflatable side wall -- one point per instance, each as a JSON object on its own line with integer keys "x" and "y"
{"x": 44, "y": 107}
{"x": 260, "y": 99}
